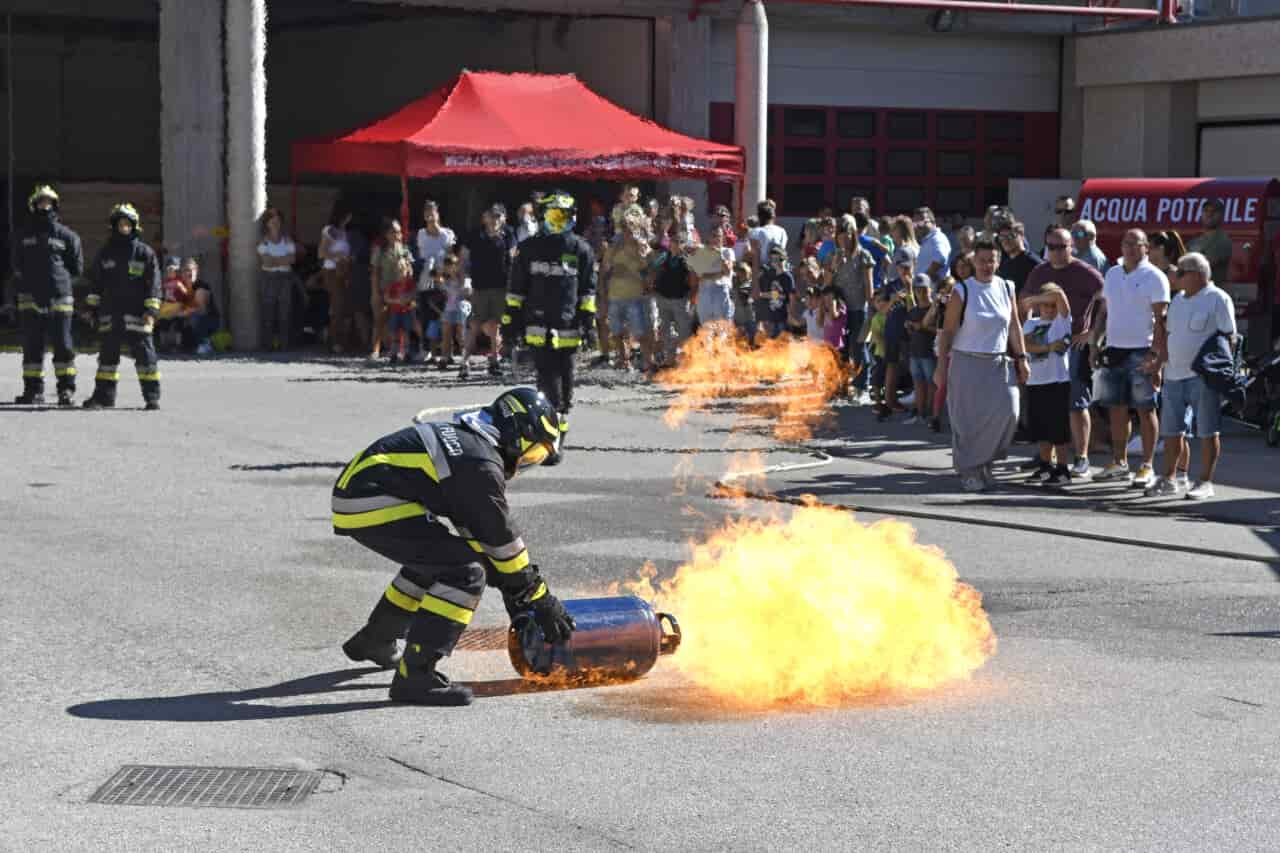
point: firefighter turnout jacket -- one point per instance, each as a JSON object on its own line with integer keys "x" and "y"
{"x": 441, "y": 483}
{"x": 47, "y": 258}
{"x": 125, "y": 281}
{"x": 553, "y": 290}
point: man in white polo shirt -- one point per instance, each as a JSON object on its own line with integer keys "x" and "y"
{"x": 935, "y": 249}
{"x": 1199, "y": 311}
{"x": 1135, "y": 298}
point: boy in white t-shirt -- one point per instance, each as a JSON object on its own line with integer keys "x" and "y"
{"x": 1047, "y": 333}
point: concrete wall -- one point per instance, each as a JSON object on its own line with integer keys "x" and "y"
{"x": 327, "y": 80}
{"x": 836, "y": 66}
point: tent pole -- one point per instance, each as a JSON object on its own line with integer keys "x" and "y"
{"x": 404, "y": 202}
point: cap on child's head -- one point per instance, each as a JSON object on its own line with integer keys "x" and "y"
{"x": 776, "y": 252}
{"x": 921, "y": 281}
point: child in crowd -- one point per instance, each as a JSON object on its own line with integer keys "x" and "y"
{"x": 777, "y": 288}
{"x": 457, "y": 308}
{"x": 833, "y": 314}
{"x": 744, "y": 311}
{"x": 1047, "y": 333}
{"x": 813, "y": 316}
{"x": 933, "y": 320}
{"x": 920, "y": 351}
{"x": 432, "y": 303}
{"x": 400, "y": 297}
{"x": 883, "y": 303}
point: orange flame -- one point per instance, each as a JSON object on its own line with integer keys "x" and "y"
{"x": 819, "y": 608}
{"x": 795, "y": 379}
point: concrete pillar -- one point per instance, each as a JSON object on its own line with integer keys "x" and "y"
{"x": 751, "y": 95}
{"x": 1070, "y": 115}
{"x": 246, "y": 29}
{"x": 192, "y": 135}
{"x": 1139, "y": 131}
{"x": 682, "y": 52}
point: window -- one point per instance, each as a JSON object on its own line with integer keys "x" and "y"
{"x": 906, "y": 126}
{"x": 802, "y": 122}
{"x": 957, "y": 128}
{"x": 1004, "y": 164}
{"x": 846, "y": 192}
{"x": 856, "y": 161}
{"x": 855, "y": 125}
{"x": 803, "y": 199}
{"x": 954, "y": 200}
{"x": 1004, "y": 128}
{"x": 804, "y": 161}
{"x": 955, "y": 164}
{"x": 903, "y": 199}
{"x": 905, "y": 162}
{"x": 995, "y": 195}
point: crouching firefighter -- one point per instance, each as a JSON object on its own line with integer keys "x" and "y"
{"x": 432, "y": 497}
{"x": 126, "y": 294}
{"x": 552, "y": 300}
{"x": 46, "y": 259}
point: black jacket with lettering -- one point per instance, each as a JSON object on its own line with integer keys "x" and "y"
{"x": 553, "y": 282}
{"x": 125, "y": 280}
{"x": 46, "y": 259}
{"x": 437, "y": 479}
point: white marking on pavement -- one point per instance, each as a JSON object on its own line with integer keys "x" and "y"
{"x": 648, "y": 549}
{"x": 823, "y": 459}
{"x": 440, "y": 410}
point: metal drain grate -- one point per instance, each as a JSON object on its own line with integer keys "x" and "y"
{"x": 482, "y": 640}
{"x": 225, "y": 787}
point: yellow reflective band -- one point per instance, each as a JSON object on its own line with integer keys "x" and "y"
{"x": 399, "y": 599}
{"x": 93, "y": 299}
{"x": 151, "y": 303}
{"x": 506, "y": 319}
{"x": 515, "y": 564}
{"x": 108, "y": 375}
{"x": 63, "y": 309}
{"x": 452, "y": 612}
{"x": 64, "y": 371}
{"x": 564, "y": 424}
{"x": 396, "y": 460}
{"x": 149, "y": 377}
{"x": 548, "y": 426}
{"x": 535, "y": 340}
{"x": 515, "y": 404}
{"x": 515, "y": 300}
{"x": 475, "y": 546}
{"x": 357, "y": 520}
{"x": 542, "y": 590}
{"x": 588, "y": 304}
{"x": 566, "y": 342}
{"x": 33, "y": 373}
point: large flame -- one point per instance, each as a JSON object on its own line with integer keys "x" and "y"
{"x": 817, "y": 609}
{"x": 795, "y": 379}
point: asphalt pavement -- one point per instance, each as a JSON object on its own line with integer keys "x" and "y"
{"x": 173, "y": 594}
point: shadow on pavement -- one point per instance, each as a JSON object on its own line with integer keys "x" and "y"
{"x": 1260, "y": 635}
{"x": 231, "y": 705}
{"x": 687, "y": 704}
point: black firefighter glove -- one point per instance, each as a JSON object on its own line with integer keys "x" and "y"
{"x": 553, "y": 619}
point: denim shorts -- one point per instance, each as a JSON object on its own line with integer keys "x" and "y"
{"x": 714, "y": 303}
{"x": 1122, "y": 384}
{"x": 433, "y": 330}
{"x": 458, "y": 314}
{"x": 1081, "y": 379}
{"x": 633, "y": 315}
{"x": 922, "y": 368}
{"x": 1180, "y": 396}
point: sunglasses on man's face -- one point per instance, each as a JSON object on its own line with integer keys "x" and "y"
{"x": 1055, "y": 247}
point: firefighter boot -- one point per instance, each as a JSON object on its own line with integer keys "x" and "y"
{"x": 96, "y": 402}
{"x": 557, "y": 455}
{"x": 364, "y": 646}
{"x": 417, "y": 682}
{"x": 29, "y": 398}
{"x": 66, "y": 398}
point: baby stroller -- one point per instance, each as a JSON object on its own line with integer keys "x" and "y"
{"x": 1262, "y": 399}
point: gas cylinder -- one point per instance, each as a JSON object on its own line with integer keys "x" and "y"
{"x": 616, "y": 639}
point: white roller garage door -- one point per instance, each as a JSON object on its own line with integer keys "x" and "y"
{"x": 1240, "y": 150}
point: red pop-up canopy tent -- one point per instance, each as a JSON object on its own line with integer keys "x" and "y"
{"x": 521, "y": 126}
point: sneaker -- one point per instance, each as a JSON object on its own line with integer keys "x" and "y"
{"x": 1163, "y": 487}
{"x": 935, "y": 424}
{"x": 205, "y": 349}
{"x": 464, "y": 372}
{"x": 152, "y": 406}
{"x": 908, "y": 400}
{"x": 495, "y": 369}
{"x": 1145, "y": 477}
{"x": 66, "y": 398}
{"x": 1041, "y": 473}
{"x": 1182, "y": 480}
{"x": 96, "y": 402}
{"x": 27, "y": 399}
{"x": 1114, "y": 471}
{"x": 1080, "y": 469}
{"x": 445, "y": 363}
{"x": 973, "y": 484}
{"x": 912, "y": 419}
{"x": 428, "y": 688}
{"x": 1202, "y": 490}
{"x": 362, "y": 647}
{"x": 1059, "y": 477}
{"x": 394, "y": 360}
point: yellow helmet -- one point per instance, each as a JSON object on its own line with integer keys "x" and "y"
{"x": 125, "y": 211}
{"x": 41, "y": 191}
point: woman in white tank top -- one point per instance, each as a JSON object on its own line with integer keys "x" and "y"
{"x": 335, "y": 273}
{"x": 982, "y": 334}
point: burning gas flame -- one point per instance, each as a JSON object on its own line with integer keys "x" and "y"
{"x": 817, "y": 609}
{"x": 795, "y": 379}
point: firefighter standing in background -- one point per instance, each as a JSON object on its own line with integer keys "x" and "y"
{"x": 126, "y": 293}
{"x": 46, "y": 259}
{"x": 432, "y": 497}
{"x": 552, "y": 298}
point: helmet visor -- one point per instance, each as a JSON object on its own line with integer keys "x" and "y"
{"x": 535, "y": 454}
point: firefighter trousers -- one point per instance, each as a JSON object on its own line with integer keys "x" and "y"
{"x": 143, "y": 347}
{"x": 431, "y": 601}
{"x": 38, "y": 329}
{"x": 555, "y": 376}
